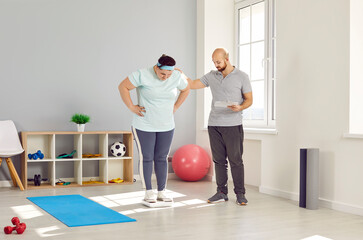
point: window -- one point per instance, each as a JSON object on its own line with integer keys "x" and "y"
{"x": 255, "y": 51}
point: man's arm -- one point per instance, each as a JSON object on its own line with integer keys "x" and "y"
{"x": 247, "y": 102}
{"x": 193, "y": 84}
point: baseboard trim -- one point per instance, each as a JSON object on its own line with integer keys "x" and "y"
{"x": 279, "y": 193}
{"x": 326, "y": 203}
{"x": 6, "y": 184}
{"x": 342, "y": 207}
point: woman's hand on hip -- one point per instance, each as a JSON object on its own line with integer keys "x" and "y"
{"x": 138, "y": 110}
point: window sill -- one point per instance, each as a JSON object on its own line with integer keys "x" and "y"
{"x": 270, "y": 131}
{"x": 353, "y": 135}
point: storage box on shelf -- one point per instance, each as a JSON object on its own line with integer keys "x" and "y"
{"x": 52, "y": 144}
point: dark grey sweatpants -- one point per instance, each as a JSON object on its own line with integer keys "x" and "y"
{"x": 228, "y": 142}
{"x": 153, "y": 149}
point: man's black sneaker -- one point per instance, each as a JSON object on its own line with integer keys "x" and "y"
{"x": 241, "y": 199}
{"x": 218, "y": 197}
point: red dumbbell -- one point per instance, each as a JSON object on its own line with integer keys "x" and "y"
{"x": 8, "y": 229}
{"x": 19, "y": 227}
{"x": 15, "y": 221}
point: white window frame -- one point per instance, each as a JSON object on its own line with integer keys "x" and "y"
{"x": 269, "y": 120}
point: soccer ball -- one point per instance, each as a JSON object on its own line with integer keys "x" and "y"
{"x": 118, "y": 149}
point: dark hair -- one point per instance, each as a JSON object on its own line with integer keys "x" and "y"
{"x": 166, "y": 60}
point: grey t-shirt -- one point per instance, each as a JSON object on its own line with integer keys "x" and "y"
{"x": 225, "y": 89}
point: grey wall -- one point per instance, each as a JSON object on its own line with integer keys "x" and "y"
{"x": 62, "y": 57}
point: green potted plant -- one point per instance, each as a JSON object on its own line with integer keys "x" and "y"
{"x": 80, "y": 120}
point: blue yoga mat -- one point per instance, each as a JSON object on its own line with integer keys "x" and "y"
{"x": 76, "y": 210}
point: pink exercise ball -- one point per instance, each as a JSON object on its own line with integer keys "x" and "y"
{"x": 191, "y": 162}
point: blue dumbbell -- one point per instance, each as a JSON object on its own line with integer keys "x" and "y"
{"x": 40, "y": 154}
{"x": 33, "y": 156}
{"x": 36, "y": 155}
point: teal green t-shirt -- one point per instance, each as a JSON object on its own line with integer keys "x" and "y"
{"x": 157, "y": 97}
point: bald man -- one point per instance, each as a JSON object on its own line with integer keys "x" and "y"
{"x": 232, "y": 93}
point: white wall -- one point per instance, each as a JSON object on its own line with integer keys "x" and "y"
{"x": 312, "y": 105}
{"x": 62, "y": 57}
{"x": 252, "y": 162}
{"x": 356, "y": 67}
{"x": 313, "y": 102}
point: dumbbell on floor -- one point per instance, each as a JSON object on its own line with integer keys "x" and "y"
{"x": 15, "y": 221}
{"x": 19, "y": 227}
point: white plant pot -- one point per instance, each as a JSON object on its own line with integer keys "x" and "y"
{"x": 80, "y": 127}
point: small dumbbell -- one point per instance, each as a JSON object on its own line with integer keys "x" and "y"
{"x": 15, "y": 221}
{"x": 40, "y": 154}
{"x": 19, "y": 227}
{"x": 36, "y": 155}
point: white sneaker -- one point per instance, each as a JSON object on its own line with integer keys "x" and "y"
{"x": 163, "y": 197}
{"x": 150, "y": 196}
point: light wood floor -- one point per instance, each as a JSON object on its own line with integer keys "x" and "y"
{"x": 265, "y": 217}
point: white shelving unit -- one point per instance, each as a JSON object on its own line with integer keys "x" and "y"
{"x": 51, "y": 144}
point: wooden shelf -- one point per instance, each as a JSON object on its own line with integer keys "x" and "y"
{"x": 52, "y": 144}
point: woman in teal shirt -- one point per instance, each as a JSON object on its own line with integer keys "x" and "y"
{"x": 153, "y": 123}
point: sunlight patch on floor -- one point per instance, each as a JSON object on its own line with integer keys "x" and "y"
{"x": 316, "y": 237}
{"x": 175, "y": 205}
{"x": 44, "y": 232}
{"x": 124, "y": 199}
{"x": 26, "y": 211}
{"x": 132, "y": 198}
{"x": 104, "y": 201}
